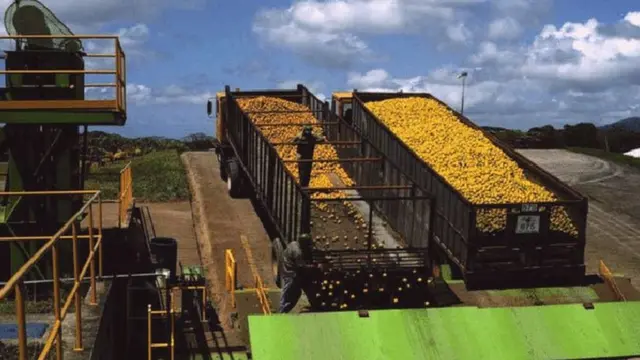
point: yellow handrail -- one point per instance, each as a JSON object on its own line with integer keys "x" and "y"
{"x": 231, "y": 272}
{"x": 125, "y": 198}
{"x": 118, "y": 70}
{"x": 265, "y": 304}
{"x": 16, "y": 281}
{"x": 607, "y": 276}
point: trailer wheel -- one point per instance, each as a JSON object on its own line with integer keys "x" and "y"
{"x": 223, "y": 167}
{"x": 276, "y": 261}
{"x": 234, "y": 179}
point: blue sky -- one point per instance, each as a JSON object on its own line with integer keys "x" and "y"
{"x": 530, "y": 62}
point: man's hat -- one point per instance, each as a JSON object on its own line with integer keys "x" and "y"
{"x": 307, "y": 128}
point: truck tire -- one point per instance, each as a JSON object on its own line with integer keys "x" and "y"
{"x": 222, "y": 164}
{"x": 277, "y": 250}
{"x": 234, "y": 178}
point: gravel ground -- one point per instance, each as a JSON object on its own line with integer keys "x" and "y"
{"x": 613, "y": 223}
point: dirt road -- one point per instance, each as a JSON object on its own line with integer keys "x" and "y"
{"x": 220, "y": 222}
{"x": 613, "y": 223}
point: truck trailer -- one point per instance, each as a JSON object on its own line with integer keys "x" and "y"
{"x": 370, "y": 225}
{"x": 514, "y": 255}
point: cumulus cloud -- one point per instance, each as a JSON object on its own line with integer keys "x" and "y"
{"x": 330, "y": 33}
{"x": 570, "y": 73}
{"x": 140, "y": 94}
{"x": 505, "y": 28}
{"x": 633, "y": 18}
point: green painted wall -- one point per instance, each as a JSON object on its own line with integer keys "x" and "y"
{"x": 543, "y": 332}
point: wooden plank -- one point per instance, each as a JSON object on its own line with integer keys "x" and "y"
{"x": 58, "y": 104}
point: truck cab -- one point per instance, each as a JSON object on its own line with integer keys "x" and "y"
{"x": 222, "y": 147}
{"x": 341, "y": 105}
{"x": 219, "y": 115}
{"x": 229, "y": 166}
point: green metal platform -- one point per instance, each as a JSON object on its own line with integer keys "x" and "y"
{"x": 609, "y": 330}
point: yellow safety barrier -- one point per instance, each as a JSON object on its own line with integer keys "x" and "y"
{"x": 125, "y": 199}
{"x": 231, "y": 272}
{"x": 15, "y": 283}
{"x": 265, "y": 304}
{"x": 171, "y": 344}
{"x": 607, "y": 276}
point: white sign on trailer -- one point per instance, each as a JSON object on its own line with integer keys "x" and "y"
{"x": 528, "y": 224}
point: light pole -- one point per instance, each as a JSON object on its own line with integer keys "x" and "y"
{"x": 463, "y": 76}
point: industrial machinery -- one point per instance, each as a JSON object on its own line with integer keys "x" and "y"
{"x": 43, "y": 106}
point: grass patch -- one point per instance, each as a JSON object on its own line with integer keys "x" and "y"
{"x": 613, "y": 157}
{"x": 157, "y": 177}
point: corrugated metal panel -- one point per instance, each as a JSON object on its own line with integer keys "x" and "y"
{"x": 542, "y": 332}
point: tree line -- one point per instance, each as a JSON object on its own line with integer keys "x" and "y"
{"x": 584, "y": 135}
{"x": 106, "y": 145}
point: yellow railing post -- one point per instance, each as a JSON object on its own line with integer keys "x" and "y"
{"x": 262, "y": 296}
{"x": 117, "y": 75}
{"x": 56, "y": 298}
{"x": 92, "y": 266}
{"x": 231, "y": 272}
{"x": 22, "y": 326}
{"x": 100, "y": 236}
{"x": 607, "y": 276}
{"x": 76, "y": 276}
{"x": 125, "y": 196}
{"x": 172, "y": 336}
{"x": 149, "y": 339}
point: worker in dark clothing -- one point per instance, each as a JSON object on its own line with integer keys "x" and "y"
{"x": 295, "y": 259}
{"x": 306, "y": 142}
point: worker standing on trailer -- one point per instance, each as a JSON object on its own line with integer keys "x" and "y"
{"x": 306, "y": 142}
{"x": 294, "y": 261}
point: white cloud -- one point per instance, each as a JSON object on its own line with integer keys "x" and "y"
{"x": 373, "y": 78}
{"x": 505, "y": 28}
{"x": 633, "y": 18}
{"x": 567, "y": 74}
{"x": 319, "y": 47}
{"x": 140, "y": 94}
{"x": 458, "y": 33}
{"x": 330, "y": 33}
{"x": 173, "y": 94}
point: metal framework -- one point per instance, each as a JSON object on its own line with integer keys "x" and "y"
{"x": 15, "y": 283}
{"x": 52, "y": 243}
{"x": 117, "y": 105}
